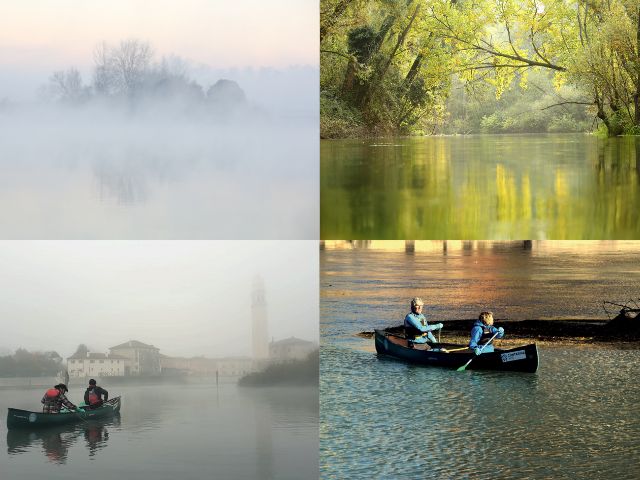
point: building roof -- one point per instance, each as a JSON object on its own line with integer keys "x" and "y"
{"x": 133, "y": 344}
{"x": 291, "y": 341}
{"x": 96, "y": 356}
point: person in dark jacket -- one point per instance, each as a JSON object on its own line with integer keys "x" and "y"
{"x": 54, "y": 399}
{"x": 93, "y": 395}
{"x": 416, "y": 328}
{"x": 482, "y": 331}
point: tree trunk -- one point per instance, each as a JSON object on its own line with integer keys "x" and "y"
{"x": 349, "y": 78}
{"x": 360, "y": 91}
{"x": 413, "y": 71}
{"x": 380, "y": 73}
{"x": 613, "y": 128}
{"x": 636, "y": 96}
{"x": 327, "y": 25}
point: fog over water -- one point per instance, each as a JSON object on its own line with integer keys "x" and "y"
{"x": 189, "y": 122}
{"x": 97, "y": 175}
{"x": 187, "y": 298}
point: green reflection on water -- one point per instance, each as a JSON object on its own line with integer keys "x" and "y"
{"x": 481, "y": 187}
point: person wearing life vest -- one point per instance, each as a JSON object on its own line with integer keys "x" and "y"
{"x": 93, "y": 395}
{"x": 54, "y": 399}
{"x": 482, "y": 331}
{"x": 416, "y": 328}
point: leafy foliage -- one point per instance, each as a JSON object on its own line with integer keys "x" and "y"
{"x": 395, "y": 61}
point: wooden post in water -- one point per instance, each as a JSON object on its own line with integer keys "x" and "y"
{"x": 528, "y": 244}
{"x": 409, "y": 246}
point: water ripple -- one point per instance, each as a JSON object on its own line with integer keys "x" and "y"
{"x": 577, "y": 417}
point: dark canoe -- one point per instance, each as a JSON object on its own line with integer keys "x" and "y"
{"x": 24, "y": 419}
{"x": 519, "y": 359}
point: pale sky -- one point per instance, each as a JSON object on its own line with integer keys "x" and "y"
{"x": 38, "y": 37}
{"x": 185, "y": 297}
{"x": 220, "y": 33}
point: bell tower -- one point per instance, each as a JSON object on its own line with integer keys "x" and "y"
{"x": 259, "y": 327}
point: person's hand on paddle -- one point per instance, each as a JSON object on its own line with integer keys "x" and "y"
{"x": 477, "y": 350}
{"x": 500, "y": 332}
{"x": 438, "y": 326}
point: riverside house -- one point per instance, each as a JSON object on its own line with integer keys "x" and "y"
{"x": 131, "y": 358}
{"x": 96, "y": 364}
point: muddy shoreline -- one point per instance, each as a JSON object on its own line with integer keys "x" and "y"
{"x": 621, "y": 333}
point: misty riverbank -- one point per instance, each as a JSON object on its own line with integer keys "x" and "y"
{"x": 302, "y": 373}
{"x": 297, "y": 373}
{"x": 106, "y": 382}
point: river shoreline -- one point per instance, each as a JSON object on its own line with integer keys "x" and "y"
{"x": 618, "y": 333}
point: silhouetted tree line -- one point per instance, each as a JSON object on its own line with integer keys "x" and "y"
{"x": 304, "y": 372}
{"x": 127, "y": 74}
{"x": 30, "y": 364}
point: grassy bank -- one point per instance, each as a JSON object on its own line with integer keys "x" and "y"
{"x": 302, "y": 373}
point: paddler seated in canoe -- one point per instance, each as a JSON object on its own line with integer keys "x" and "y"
{"x": 481, "y": 333}
{"x": 54, "y": 399}
{"x": 93, "y": 395}
{"x": 416, "y": 328}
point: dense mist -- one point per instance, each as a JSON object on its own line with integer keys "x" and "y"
{"x": 141, "y": 149}
{"x": 187, "y": 298}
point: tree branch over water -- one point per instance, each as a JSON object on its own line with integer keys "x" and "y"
{"x": 566, "y": 103}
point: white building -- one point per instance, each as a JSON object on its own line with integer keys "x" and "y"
{"x": 140, "y": 358}
{"x": 95, "y": 365}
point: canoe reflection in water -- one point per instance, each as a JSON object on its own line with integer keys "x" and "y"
{"x": 56, "y": 441}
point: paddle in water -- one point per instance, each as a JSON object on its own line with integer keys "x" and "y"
{"x": 78, "y": 413}
{"x": 463, "y": 367}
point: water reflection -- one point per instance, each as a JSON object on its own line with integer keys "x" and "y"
{"x": 569, "y": 420}
{"x": 537, "y": 186}
{"x": 126, "y": 185}
{"x": 515, "y": 280}
{"x": 189, "y": 431}
{"x": 279, "y": 413}
{"x": 162, "y": 179}
{"x": 55, "y": 442}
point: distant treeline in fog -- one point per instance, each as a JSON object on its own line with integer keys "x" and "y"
{"x": 30, "y": 364}
{"x": 127, "y": 75}
{"x": 295, "y": 373}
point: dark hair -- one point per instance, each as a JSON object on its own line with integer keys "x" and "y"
{"x": 62, "y": 386}
{"x": 92, "y": 382}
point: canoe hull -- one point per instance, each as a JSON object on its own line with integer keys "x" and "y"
{"x": 17, "y": 418}
{"x": 519, "y": 359}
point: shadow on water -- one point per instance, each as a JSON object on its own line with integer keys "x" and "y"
{"x": 55, "y": 442}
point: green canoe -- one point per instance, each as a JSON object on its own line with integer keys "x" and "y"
{"x": 24, "y": 419}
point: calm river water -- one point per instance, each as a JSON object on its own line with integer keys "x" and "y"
{"x": 477, "y": 187}
{"x": 577, "y": 417}
{"x": 126, "y": 179}
{"x": 170, "y": 432}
